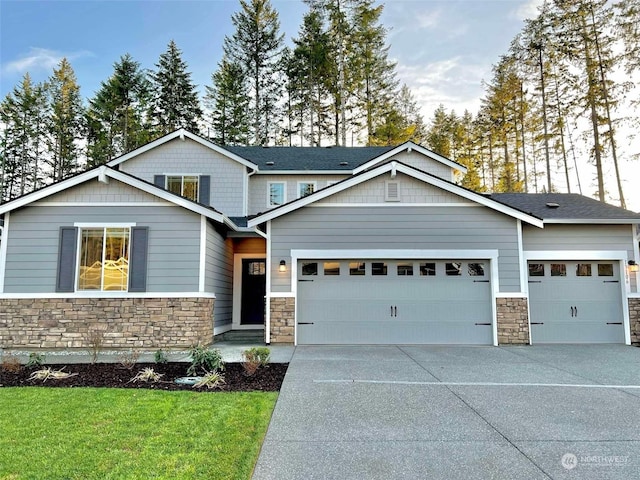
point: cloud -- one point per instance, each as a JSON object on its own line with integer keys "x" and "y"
{"x": 528, "y": 10}
{"x": 454, "y": 82}
{"x": 40, "y": 59}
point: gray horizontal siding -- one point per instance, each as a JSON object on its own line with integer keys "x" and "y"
{"x": 219, "y": 275}
{"x": 32, "y": 248}
{"x": 580, "y": 237}
{"x": 429, "y": 228}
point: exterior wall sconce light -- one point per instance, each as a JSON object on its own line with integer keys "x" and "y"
{"x": 633, "y": 266}
{"x": 283, "y": 266}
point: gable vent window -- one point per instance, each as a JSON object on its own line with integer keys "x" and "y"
{"x": 392, "y": 191}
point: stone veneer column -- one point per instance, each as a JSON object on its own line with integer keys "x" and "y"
{"x": 634, "y": 320}
{"x": 117, "y": 322}
{"x": 282, "y": 319}
{"x": 513, "y": 321}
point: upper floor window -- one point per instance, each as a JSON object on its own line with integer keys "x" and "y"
{"x": 277, "y": 194}
{"x": 104, "y": 259}
{"x": 306, "y": 188}
{"x": 184, "y": 185}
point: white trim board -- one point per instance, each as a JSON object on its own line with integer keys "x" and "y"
{"x": 392, "y": 204}
{"x": 203, "y": 254}
{"x": 4, "y": 239}
{"x": 575, "y": 255}
{"x": 103, "y": 204}
{"x": 99, "y": 294}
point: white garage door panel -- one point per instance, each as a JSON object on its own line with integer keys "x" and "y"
{"x": 392, "y": 308}
{"x": 570, "y": 308}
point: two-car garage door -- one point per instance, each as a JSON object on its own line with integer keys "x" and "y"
{"x": 394, "y": 302}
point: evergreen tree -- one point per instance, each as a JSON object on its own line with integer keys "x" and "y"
{"x": 228, "y": 100}
{"x": 175, "y": 103}
{"x": 66, "y": 126}
{"x": 256, "y": 46}
{"x": 116, "y": 115}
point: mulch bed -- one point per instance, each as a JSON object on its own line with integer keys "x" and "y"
{"x": 266, "y": 379}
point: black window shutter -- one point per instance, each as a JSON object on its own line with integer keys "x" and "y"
{"x": 204, "y": 189}
{"x": 159, "y": 181}
{"x": 67, "y": 250}
{"x": 138, "y": 259}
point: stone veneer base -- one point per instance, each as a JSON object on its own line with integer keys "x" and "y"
{"x": 282, "y": 319}
{"x": 634, "y": 320}
{"x": 115, "y": 322}
{"x": 513, "y": 321}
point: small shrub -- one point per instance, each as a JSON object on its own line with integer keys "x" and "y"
{"x": 204, "y": 360}
{"x": 11, "y": 364}
{"x": 254, "y": 358}
{"x": 210, "y": 380}
{"x": 128, "y": 360}
{"x": 147, "y": 375}
{"x": 160, "y": 356}
{"x": 95, "y": 339}
{"x": 48, "y": 373}
{"x": 35, "y": 359}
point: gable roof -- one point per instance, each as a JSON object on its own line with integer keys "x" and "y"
{"x": 394, "y": 167}
{"x": 571, "y": 208}
{"x": 409, "y": 147}
{"x": 181, "y": 134}
{"x": 102, "y": 174}
{"x": 308, "y": 158}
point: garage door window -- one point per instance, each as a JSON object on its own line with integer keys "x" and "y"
{"x": 331, "y": 268}
{"x": 405, "y": 269}
{"x": 476, "y": 269}
{"x": 583, "y": 270}
{"x": 309, "y": 269}
{"x": 558, "y": 270}
{"x": 356, "y": 268}
{"x": 427, "y": 269}
{"x": 605, "y": 270}
{"x": 536, "y": 269}
{"x": 453, "y": 269}
{"x": 378, "y": 268}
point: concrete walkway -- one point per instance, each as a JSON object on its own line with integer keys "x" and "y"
{"x": 440, "y": 412}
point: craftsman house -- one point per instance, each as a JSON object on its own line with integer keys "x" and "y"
{"x": 182, "y": 239}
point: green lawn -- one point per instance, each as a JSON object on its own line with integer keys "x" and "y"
{"x": 86, "y": 433}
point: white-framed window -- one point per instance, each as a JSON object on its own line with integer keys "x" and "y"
{"x": 276, "y": 194}
{"x": 306, "y": 188}
{"x": 103, "y": 258}
{"x": 184, "y": 185}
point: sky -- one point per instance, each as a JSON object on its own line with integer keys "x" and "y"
{"x": 444, "y": 49}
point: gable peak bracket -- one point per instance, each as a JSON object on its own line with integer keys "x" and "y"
{"x": 393, "y": 169}
{"x": 102, "y": 175}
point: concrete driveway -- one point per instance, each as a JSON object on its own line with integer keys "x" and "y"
{"x": 430, "y": 412}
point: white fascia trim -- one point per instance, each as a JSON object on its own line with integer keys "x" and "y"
{"x": 182, "y": 134}
{"x": 393, "y": 204}
{"x": 597, "y": 221}
{"x": 410, "y": 171}
{"x": 408, "y": 254}
{"x": 305, "y": 172}
{"x": 102, "y": 204}
{"x": 50, "y": 190}
{"x": 409, "y": 146}
{"x": 203, "y": 253}
{"x": 575, "y": 255}
{"x": 103, "y": 225}
{"x": 99, "y": 294}
{"x": 3, "y": 250}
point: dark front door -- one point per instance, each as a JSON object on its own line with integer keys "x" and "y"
{"x": 254, "y": 275}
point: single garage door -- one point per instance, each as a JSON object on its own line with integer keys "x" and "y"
{"x": 394, "y": 302}
{"x": 575, "y": 302}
